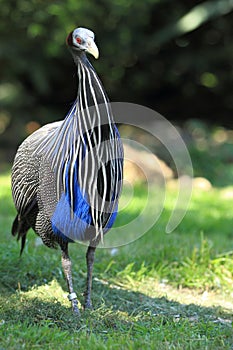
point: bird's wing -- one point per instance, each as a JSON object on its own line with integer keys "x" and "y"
{"x": 25, "y": 171}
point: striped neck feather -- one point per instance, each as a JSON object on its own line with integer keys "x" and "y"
{"x": 89, "y": 138}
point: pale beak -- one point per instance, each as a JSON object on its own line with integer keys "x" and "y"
{"x": 92, "y": 49}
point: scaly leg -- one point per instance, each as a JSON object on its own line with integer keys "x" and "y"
{"x": 66, "y": 264}
{"x": 90, "y": 261}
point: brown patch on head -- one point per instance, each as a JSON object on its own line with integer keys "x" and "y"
{"x": 69, "y": 39}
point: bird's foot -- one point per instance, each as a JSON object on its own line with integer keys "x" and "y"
{"x": 74, "y": 302}
{"x": 88, "y": 305}
{"x": 75, "y": 308}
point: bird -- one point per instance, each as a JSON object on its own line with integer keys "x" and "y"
{"x": 67, "y": 176}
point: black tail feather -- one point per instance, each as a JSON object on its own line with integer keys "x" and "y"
{"x": 23, "y": 240}
{"x": 15, "y": 226}
{"x": 20, "y": 227}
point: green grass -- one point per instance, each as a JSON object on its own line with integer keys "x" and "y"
{"x": 163, "y": 291}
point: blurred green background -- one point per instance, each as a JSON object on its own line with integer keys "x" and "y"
{"x": 173, "y": 56}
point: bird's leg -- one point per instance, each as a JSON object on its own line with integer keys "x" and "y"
{"x": 90, "y": 261}
{"x": 66, "y": 265}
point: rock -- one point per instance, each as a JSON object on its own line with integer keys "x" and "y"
{"x": 202, "y": 183}
{"x": 143, "y": 166}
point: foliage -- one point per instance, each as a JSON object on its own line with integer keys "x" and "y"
{"x": 172, "y": 56}
{"x": 211, "y": 150}
{"x": 140, "y": 292}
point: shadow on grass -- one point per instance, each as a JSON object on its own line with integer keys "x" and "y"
{"x": 114, "y": 309}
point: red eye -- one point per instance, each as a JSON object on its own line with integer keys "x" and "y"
{"x": 79, "y": 40}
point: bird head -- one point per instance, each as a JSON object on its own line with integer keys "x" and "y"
{"x": 82, "y": 39}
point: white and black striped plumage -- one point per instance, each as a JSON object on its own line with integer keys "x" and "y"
{"x": 67, "y": 176}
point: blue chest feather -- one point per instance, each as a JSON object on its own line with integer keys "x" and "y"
{"x": 75, "y": 224}
{"x": 72, "y": 224}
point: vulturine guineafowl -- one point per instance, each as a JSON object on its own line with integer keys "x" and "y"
{"x": 67, "y": 176}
